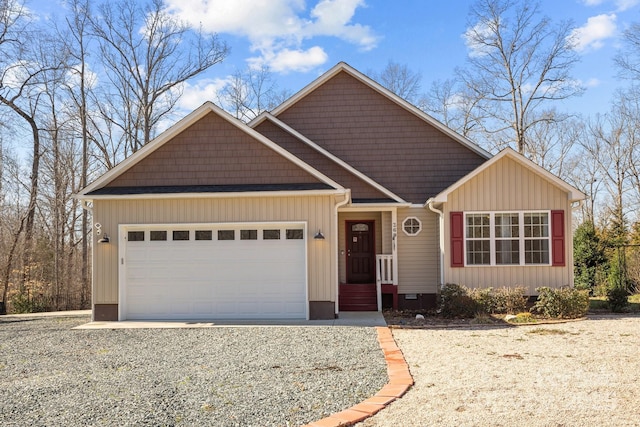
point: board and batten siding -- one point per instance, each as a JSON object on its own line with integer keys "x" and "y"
{"x": 509, "y": 186}
{"x": 316, "y": 211}
{"x": 418, "y": 256}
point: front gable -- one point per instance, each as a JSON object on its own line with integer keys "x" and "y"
{"x": 209, "y": 152}
{"x": 377, "y": 133}
{"x": 509, "y": 181}
{"x": 213, "y": 152}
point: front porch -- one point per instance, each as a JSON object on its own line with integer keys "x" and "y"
{"x": 367, "y": 259}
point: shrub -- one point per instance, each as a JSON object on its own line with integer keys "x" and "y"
{"x": 563, "y": 303}
{"x": 500, "y": 300}
{"x": 456, "y": 302}
{"x": 617, "y": 297}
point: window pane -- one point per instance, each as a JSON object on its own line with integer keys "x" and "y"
{"x": 226, "y": 234}
{"x": 181, "y": 235}
{"x": 536, "y": 225}
{"x": 478, "y": 226}
{"x": 158, "y": 235}
{"x": 248, "y": 234}
{"x": 507, "y": 252}
{"x": 507, "y": 225}
{"x": 478, "y": 252}
{"x": 135, "y": 236}
{"x": 296, "y": 234}
{"x": 536, "y": 251}
{"x": 204, "y": 235}
{"x": 270, "y": 234}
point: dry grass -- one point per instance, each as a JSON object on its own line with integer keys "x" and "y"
{"x": 572, "y": 374}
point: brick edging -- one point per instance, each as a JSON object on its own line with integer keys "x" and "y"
{"x": 400, "y": 380}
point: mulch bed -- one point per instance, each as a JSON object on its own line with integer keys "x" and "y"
{"x": 406, "y": 319}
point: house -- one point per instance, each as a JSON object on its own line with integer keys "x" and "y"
{"x": 343, "y": 198}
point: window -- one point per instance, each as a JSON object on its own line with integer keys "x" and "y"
{"x": 248, "y": 234}
{"x": 270, "y": 234}
{"x": 226, "y": 234}
{"x": 507, "y": 231}
{"x": 158, "y": 236}
{"x": 295, "y": 234}
{"x": 478, "y": 239}
{"x": 181, "y": 235}
{"x": 411, "y": 226}
{"x": 204, "y": 235}
{"x": 507, "y": 238}
{"x": 536, "y": 238}
{"x": 360, "y": 227}
{"x": 135, "y": 236}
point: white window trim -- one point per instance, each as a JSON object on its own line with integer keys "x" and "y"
{"x": 419, "y": 226}
{"x": 492, "y": 238}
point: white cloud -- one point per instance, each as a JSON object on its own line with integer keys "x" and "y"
{"x": 277, "y": 29}
{"x": 594, "y": 32}
{"x": 621, "y": 5}
{"x": 286, "y": 60}
{"x": 193, "y": 95}
{"x": 480, "y": 31}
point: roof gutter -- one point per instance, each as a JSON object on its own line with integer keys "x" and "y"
{"x": 429, "y": 204}
{"x": 219, "y": 195}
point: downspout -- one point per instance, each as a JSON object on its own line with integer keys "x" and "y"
{"x": 334, "y": 245}
{"x": 441, "y": 233}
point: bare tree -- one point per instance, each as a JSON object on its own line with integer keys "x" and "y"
{"x": 147, "y": 54}
{"x": 518, "y": 65}
{"x": 628, "y": 59}
{"x": 250, "y": 92}
{"x": 76, "y": 35}
{"x": 608, "y": 146}
{"x": 454, "y": 105}
{"x": 400, "y": 80}
{"x": 27, "y": 55}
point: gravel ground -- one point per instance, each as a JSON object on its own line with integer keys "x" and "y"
{"x": 51, "y": 375}
{"x": 581, "y": 373}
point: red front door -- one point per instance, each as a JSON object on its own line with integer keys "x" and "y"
{"x": 361, "y": 253}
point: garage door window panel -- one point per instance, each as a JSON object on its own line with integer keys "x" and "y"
{"x": 226, "y": 235}
{"x": 270, "y": 234}
{"x": 204, "y": 235}
{"x": 180, "y": 235}
{"x": 135, "y": 236}
{"x": 158, "y": 235}
{"x": 248, "y": 234}
{"x": 295, "y": 234}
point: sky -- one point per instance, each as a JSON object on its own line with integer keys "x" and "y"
{"x": 300, "y": 39}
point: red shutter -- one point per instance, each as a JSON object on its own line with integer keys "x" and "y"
{"x": 557, "y": 239}
{"x": 457, "y": 239}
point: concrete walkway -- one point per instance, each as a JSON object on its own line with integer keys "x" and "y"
{"x": 362, "y": 318}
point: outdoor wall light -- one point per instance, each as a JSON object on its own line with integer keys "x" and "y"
{"x": 319, "y": 235}
{"x": 105, "y": 239}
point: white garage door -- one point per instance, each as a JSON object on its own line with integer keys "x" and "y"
{"x": 214, "y": 271}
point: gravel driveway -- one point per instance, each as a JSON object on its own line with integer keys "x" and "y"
{"x": 584, "y": 373}
{"x": 51, "y": 375}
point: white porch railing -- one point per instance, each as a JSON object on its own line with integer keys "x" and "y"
{"x": 384, "y": 275}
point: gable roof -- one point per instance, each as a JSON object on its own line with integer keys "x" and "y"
{"x": 344, "y": 67}
{"x": 326, "y": 154}
{"x": 184, "y": 124}
{"x": 574, "y": 193}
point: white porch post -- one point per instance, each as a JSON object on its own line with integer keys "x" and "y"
{"x": 394, "y": 244}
